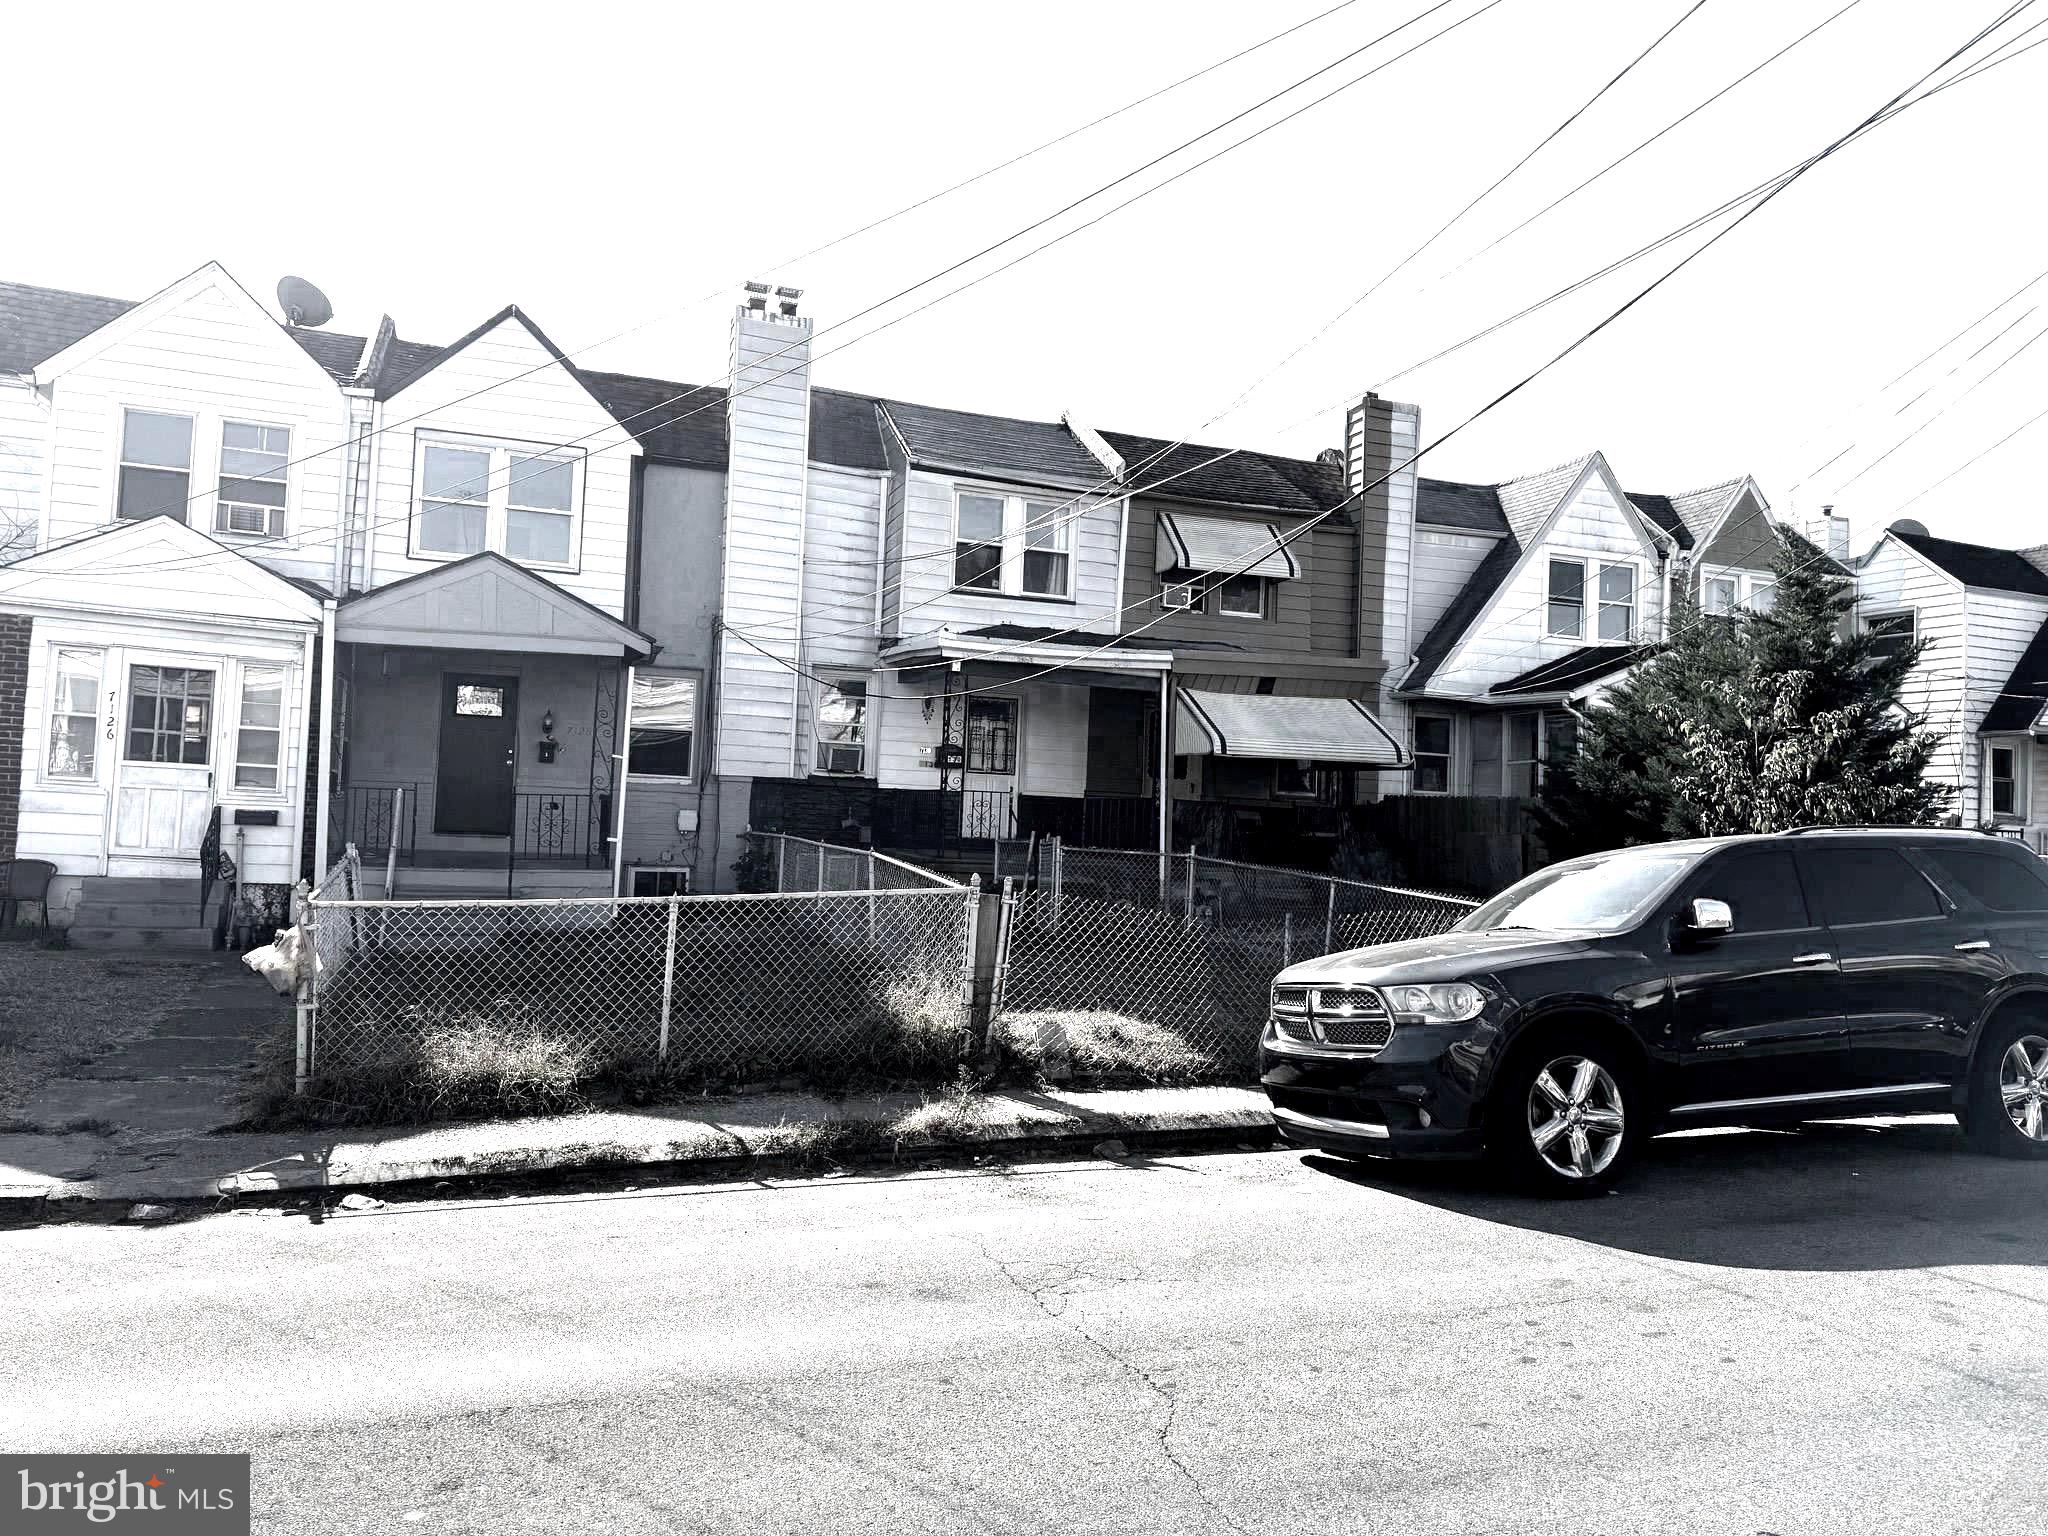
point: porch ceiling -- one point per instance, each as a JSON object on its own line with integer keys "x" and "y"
{"x": 486, "y": 603}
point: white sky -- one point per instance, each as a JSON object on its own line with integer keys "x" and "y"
{"x": 603, "y": 166}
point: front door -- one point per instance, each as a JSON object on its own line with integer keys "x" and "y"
{"x": 163, "y": 784}
{"x": 988, "y": 808}
{"x": 479, "y": 743}
{"x": 1758, "y": 1012}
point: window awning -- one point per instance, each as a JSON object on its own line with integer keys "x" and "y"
{"x": 1189, "y": 542}
{"x": 1272, "y": 725}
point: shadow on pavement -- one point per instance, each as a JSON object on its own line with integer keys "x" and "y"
{"x": 1833, "y": 1196}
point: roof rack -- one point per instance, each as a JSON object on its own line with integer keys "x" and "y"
{"x": 1872, "y": 826}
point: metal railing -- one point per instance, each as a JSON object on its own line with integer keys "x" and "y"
{"x": 381, "y": 814}
{"x": 805, "y": 864}
{"x": 1177, "y": 951}
{"x": 560, "y": 826}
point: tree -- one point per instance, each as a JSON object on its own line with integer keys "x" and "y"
{"x": 1752, "y": 724}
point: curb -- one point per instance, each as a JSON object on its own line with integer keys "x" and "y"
{"x": 707, "y": 1146}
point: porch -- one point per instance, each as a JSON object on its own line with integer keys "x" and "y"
{"x": 476, "y": 714}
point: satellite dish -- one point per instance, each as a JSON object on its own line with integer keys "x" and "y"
{"x": 302, "y": 303}
{"x": 1911, "y": 525}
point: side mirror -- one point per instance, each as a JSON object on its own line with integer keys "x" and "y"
{"x": 1709, "y": 919}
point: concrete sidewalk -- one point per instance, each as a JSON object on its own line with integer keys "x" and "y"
{"x": 709, "y": 1134}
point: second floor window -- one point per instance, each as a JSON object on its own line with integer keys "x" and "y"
{"x": 479, "y": 496}
{"x": 156, "y": 465}
{"x": 1241, "y": 597}
{"x": 252, "y": 478}
{"x": 1012, "y": 544}
{"x": 1617, "y": 602}
{"x": 1719, "y": 596}
{"x": 1614, "y": 593}
{"x": 1890, "y": 633}
{"x": 1567, "y": 604}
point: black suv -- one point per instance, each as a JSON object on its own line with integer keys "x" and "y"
{"x": 1744, "y": 980}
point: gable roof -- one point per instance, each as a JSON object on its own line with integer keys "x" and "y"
{"x": 509, "y": 603}
{"x": 1977, "y": 565}
{"x": 36, "y": 323}
{"x": 104, "y": 571}
{"x": 2025, "y": 693}
{"x": 1528, "y": 502}
{"x": 1663, "y": 511}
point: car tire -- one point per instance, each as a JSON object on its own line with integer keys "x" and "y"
{"x": 1568, "y": 1114}
{"x": 2008, "y": 1103}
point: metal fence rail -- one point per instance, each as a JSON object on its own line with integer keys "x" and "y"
{"x": 805, "y": 864}
{"x": 1179, "y": 950}
{"x": 827, "y": 978}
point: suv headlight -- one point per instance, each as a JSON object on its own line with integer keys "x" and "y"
{"x": 1450, "y": 1002}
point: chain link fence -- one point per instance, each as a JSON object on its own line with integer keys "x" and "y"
{"x": 833, "y": 976}
{"x": 797, "y": 864}
{"x": 1173, "y": 954}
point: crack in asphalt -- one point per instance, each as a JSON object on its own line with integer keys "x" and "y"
{"x": 1163, "y": 1432}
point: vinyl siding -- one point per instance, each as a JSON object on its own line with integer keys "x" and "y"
{"x": 1896, "y": 579}
{"x": 532, "y": 401}
{"x": 1290, "y": 605}
{"x": 894, "y": 498}
{"x": 214, "y": 356}
{"x": 1510, "y": 636}
{"x": 842, "y": 517}
{"x": 1444, "y": 560}
{"x": 24, "y": 443}
{"x": 2001, "y": 626}
{"x": 768, "y": 428}
{"x": 1333, "y": 589}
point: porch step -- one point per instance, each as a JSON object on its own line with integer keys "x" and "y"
{"x": 89, "y": 936}
{"x": 141, "y": 913}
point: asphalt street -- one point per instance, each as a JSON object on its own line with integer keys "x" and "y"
{"x": 1842, "y": 1329}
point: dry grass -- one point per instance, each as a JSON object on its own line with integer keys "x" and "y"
{"x": 1097, "y": 1046}
{"x": 61, "y": 1010}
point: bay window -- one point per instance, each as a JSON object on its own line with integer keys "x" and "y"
{"x": 476, "y": 495}
{"x": 1015, "y": 545}
{"x": 73, "y": 752}
{"x": 252, "y": 478}
{"x": 156, "y": 465}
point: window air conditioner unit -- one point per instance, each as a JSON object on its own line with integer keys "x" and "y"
{"x": 841, "y": 759}
{"x": 1180, "y": 594}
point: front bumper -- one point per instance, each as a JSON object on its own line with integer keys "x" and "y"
{"x": 1414, "y": 1099}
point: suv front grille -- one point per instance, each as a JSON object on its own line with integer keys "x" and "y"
{"x": 1353, "y": 1018}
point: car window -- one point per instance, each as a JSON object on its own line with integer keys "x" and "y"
{"x": 2004, "y": 882}
{"x": 1598, "y": 895}
{"x": 1867, "y": 885}
{"x": 1761, "y": 889}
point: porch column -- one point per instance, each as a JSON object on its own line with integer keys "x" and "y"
{"x": 1165, "y": 775}
{"x": 624, "y": 743}
{"x": 322, "y": 808}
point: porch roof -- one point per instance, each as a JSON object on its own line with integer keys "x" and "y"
{"x": 2020, "y": 703}
{"x": 1026, "y": 645}
{"x": 1191, "y": 542}
{"x": 1273, "y": 725}
{"x": 1577, "y": 669}
{"x": 485, "y": 602}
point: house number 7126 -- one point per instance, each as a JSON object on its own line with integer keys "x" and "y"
{"x": 112, "y": 695}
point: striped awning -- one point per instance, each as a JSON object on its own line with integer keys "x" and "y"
{"x": 1189, "y": 542}
{"x": 1273, "y": 725}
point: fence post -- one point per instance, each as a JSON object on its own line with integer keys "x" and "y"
{"x": 1006, "y": 922}
{"x": 668, "y": 979}
{"x": 1059, "y": 879}
{"x": 1286, "y": 939}
{"x": 872, "y": 924}
{"x": 1187, "y": 915}
{"x": 969, "y": 954}
{"x": 1330, "y": 923}
{"x": 821, "y": 867}
{"x": 781, "y": 860}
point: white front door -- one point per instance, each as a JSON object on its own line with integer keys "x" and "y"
{"x": 163, "y": 778}
{"x": 989, "y": 807}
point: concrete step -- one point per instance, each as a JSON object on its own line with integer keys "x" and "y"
{"x": 141, "y": 887}
{"x": 186, "y": 939}
{"x": 146, "y": 914}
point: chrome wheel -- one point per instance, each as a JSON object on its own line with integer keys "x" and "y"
{"x": 1575, "y": 1116}
{"x": 2023, "y": 1086}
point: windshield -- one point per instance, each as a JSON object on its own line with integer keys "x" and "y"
{"x": 1604, "y": 895}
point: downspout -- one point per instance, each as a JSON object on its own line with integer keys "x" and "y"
{"x": 322, "y": 803}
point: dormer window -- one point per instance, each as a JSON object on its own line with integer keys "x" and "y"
{"x": 476, "y": 495}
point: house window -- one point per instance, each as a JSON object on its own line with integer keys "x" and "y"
{"x": 664, "y": 728}
{"x": 478, "y": 699}
{"x": 1046, "y": 526}
{"x": 156, "y": 465}
{"x": 475, "y": 496}
{"x": 1567, "y": 607}
{"x": 1013, "y": 545}
{"x": 2005, "y": 782}
{"x": 978, "y": 543}
{"x": 1720, "y": 596}
{"x": 843, "y": 727}
{"x": 1890, "y": 633}
{"x": 455, "y": 489}
{"x": 1763, "y": 595}
{"x": 1524, "y": 754}
{"x": 259, "y": 734}
{"x": 252, "y": 478}
{"x": 1294, "y": 781}
{"x": 1432, "y": 754}
{"x": 1484, "y": 731}
{"x": 1242, "y": 597}
{"x": 74, "y": 692}
{"x": 539, "y": 496}
{"x": 1617, "y": 602}
{"x": 650, "y": 880}
{"x": 991, "y": 736}
{"x": 170, "y": 714}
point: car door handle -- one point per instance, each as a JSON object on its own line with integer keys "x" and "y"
{"x": 1975, "y": 944}
{"x": 1816, "y": 957}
